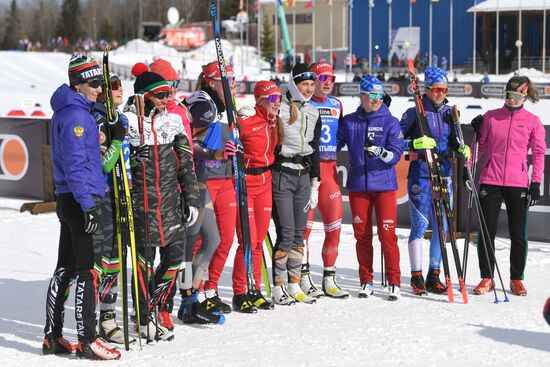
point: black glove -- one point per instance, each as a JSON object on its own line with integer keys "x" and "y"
{"x": 91, "y": 220}
{"x": 117, "y": 129}
{"x": 476, "y": 123}
{"x": 533, "y": 196}
{"x": 466, "y": 181}
{"x": 140, "y": 153}
{"x": 148, "y": 106}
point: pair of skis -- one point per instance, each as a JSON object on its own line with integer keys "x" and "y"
{"x": 441, "y": 197}
{"x": 123, "y": 213}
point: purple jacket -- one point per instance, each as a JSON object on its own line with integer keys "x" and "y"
{"x": 76, "y": 156}
{"x": 368, "y": 174}
{"x": 505, "y": 138}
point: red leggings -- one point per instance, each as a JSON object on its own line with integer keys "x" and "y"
{"x": 259, "y": 212}
{"x": 331, "y": 208}
{"x": 222, "y": 192}
{"x": 385, "y": 207}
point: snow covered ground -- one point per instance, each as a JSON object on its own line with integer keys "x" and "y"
{"x": 411, "y": 332}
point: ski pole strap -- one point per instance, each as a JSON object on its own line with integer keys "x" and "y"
{"x": 256, "y": 171}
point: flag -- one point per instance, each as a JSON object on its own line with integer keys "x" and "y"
{"x": 309, "y": 4}
{"x": 413, "y": 1}
{"x": 290, "y": 3}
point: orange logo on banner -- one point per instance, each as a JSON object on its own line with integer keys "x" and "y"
{"x": 14, "y": 157}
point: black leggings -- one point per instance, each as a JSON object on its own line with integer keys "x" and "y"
{"x": 75, "y": 259}
{"x": 515, "y": 199}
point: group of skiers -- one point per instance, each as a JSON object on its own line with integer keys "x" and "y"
{"x": 179, "y": 160}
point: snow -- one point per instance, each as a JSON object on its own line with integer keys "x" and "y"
{"x": 412, "y": 331}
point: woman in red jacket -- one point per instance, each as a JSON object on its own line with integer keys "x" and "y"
{"x": 506, "y": 135}
{"x": 259, "y": 135}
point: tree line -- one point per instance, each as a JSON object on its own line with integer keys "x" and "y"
{"x": 113, "y": 20}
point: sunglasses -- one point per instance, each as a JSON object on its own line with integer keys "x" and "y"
{"x": 116, "y": 84}
{"x": 161, "y": 95}
{"x": 95, "y": 83}
{"x": 374, "y": 95}
{"x": 230, "y": 79}
{"x": 323, "y": 78}
{"x": 439, "y": 90}
{"x": 306, "y": 75}
{"x": 516, "y": 96}
{"x": 274, "y": 98}
{"x": 174, "y": 83}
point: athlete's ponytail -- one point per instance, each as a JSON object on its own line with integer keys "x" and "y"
{"x": 532, "y": 92}
{"x": 201, "y": 82}
{"x": 293, "y": 112}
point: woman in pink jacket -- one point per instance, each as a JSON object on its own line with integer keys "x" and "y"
{"x": 506, "y": 135}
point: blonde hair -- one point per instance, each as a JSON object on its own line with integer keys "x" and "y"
{"x": 293, "y": 112}
{"x": 201, "y": 82}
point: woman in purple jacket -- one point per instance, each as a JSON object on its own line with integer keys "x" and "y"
{"x": 375, "y": 144}
{"x": 506, "y": 135}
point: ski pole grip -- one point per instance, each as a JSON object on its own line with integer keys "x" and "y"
{"x": 455, "y": 114}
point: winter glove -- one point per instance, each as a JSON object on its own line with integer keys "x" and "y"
{"x": 424, "y": 142}
{"x": 476, "y": 123}
{"x": 91, "y": 220}
{"x": 465, "y": 151}
{"x": 314, "y": 196}
{"x": 466, "y": 181}
{"x": 229, "y": 150}
{"x": 533, "y": 196}
{"x": 380, "y": 152}
{"x": 191, "y": 215}
{"x": 247, "y": 111}
{"x": 117, "y": 129}
{"x": 202, "y": 108}
{"x": 140, "y": 153}
{"x": 198, "y": 96}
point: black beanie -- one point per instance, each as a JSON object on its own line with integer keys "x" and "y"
{"x": 301, "y": 69}
{"x": 147, "y": 82}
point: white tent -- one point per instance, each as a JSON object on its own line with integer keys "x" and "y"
{"x": 509, "y": 5}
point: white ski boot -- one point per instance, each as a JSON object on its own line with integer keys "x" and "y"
{"x": 330, "y": 287}
{"x": 367, "y": 290}
{"x": 153, "y": 331}
{"x": 394, "y": 292}
{"x": 298, "y": 294}
{"x": 109, "y": 329}
{"x": 307, "y": 285}
{"x": 281, "y": 297}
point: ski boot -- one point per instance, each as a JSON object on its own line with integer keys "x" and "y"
{"x": 417, "y": 283}
{"x": 98, "y": 349}
{"x": 165, "y": 319}
{"x": 155, "y": 332}
{"x": 212, "y": 296}
{"x": 281, "y": 297}
{"x": 109, "y": 329}
{"x": 367, "y": 290}
{"x": 433, "y": 284}
{"x": 60, "y": 345}
{"x": 330, "y": 287}
{"x": 258, "y": 299}
{"x": 307, "y": 285}
{"x": 188, "y": 296}
{"x": 198, "y": 311}
{"x": 242, "y": 303}
{"x": 299, "y": 295}
{"x": 517, "y": 288}
{"x": 394, "y": 292}
{"x": 486, "y": 285}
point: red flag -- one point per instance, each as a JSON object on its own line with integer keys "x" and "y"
{"x": 309, "y": 4}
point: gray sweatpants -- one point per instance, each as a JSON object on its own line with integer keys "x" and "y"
{"x": 290, "y": 197}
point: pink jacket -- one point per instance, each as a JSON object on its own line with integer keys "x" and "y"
{"x": 505, "y": 138}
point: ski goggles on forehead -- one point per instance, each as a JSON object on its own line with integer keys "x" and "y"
{"x": 324, "y": 78}
{"x": 230, "y": 79}
{"x": 306, "y": 75}
{"x": 161, "y": 95}
{"x": 274, "y": 98}
{"x": 516, "y": 96}
{"x": 441, "y": 90}
{"x": 174, "y": 83}
{"x": 95, "y": 83}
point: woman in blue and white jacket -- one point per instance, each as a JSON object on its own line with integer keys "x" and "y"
{"x": 375, "y": 142}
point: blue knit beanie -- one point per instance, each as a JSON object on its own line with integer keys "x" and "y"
{"x": 434, "y": 75}
{"x": 370, "y": 83}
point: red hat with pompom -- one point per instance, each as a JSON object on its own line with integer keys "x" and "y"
{"x": 147, "y": 82}
{"x": 163, "y": 68}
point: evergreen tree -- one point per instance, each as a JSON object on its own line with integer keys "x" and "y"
{"x": 69, "y": 23}
{"x": 13, "y": 30}
{"x": 267, "y": 42}
{"x": 106, "y": 30}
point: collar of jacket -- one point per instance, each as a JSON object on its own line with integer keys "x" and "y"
{"x": 320, "y": 100}
{"x": 429, "y": 105}
{"x": 364, "y": 115}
